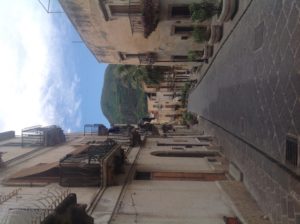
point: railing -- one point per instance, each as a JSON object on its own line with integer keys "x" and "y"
{"x": 135, "y": 16}
{"x": 148, "y": 58}
{"x": 143, "y": 16}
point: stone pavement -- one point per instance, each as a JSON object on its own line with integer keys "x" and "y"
{"x": 228, "y": 28}
{"x": 249, "y": 97}
{"x": 243, "y": 202}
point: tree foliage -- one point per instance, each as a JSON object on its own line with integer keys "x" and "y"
{"x": 136, "y": 75}
{"x": 121, "y": 103}
{"x": 203, "y": 10}
{"x": 200, "y": 35}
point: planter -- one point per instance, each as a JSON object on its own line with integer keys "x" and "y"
{"x": 216, "y": 33}
{"x": 229, "y": 8}
{"x": 208, "y": 52}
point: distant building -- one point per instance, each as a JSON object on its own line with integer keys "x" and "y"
{"x": 144, "y": 32}
{"x": 165, "y": 100}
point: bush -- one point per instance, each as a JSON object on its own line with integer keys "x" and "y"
{"x": 194, "y": 55}
{"x": 200, "y": 34}
{"x": 189, "y": 118}
{"x": 153, "y": 75}
{"x": 204, "y": 10}
{"x": 184, "y": 94}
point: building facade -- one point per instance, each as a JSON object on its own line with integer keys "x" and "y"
{"x": 165, "y": 100}
{"x": 177, "y": 175}
{"x": 137, "y": 31}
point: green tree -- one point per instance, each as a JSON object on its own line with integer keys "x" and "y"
{"x": 135, "y": 75}
{"x": 204, "y": 10}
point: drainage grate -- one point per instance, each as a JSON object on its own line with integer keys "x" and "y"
{"x": 291, "y": 154}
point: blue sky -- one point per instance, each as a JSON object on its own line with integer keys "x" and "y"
{"x": 47, "y": 76}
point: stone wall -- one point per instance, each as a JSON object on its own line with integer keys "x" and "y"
{"x": 275, "y": 188}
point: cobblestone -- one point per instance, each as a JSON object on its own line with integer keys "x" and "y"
{"x": 276, "y": 192}
{"x": 252, "y": 90}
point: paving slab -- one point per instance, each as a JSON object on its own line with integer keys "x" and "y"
{"x": 250, "y": 95}
{"x": 244, "y": 203}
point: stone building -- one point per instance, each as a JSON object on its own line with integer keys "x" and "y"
{"x": 43, "y": 165}
{"x": 165, "y": 100}
{"x": 177, "y": 175}
{"x": 137, "y": 31}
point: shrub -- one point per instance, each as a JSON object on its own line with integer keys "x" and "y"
{"x": 189, "y": 118}
{"x": 184, "y": 93}
{"x": 200, "y": 34}
{"x": 203, "y": 10}
{"x": 194, "y": 55}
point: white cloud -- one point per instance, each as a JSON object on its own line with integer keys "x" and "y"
{"x": 34, "y": 88}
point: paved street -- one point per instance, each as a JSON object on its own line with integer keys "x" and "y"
{"x": 249, "y": 98}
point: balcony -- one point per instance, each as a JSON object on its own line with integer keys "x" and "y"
{"x": 143, "y": 16}
{"x": 148, "y": 58}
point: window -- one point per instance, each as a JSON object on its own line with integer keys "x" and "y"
{"x": 180, "y": 140}
{"x": 170, "y": 115}
{"x": 119, "y": 9}
{"x": 125, "y": 56}
{"x": 180, "y": 58}
{"x": 179, "y": 11}
{"x": 177, "y": 148}
{"x": 291, "y": 155}
{"x": 212, "y": 160}
{"x": 183, "y": 29}
{"x": 142, "y": 175}
{"x": 171, "y": 106}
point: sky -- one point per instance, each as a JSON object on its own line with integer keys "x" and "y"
{"x": 47, "y": 74}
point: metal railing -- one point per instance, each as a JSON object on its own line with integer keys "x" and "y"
{"x": 135, "y": 16}
{"x": 143, "y": 16}
{"x": 148, "y": 58}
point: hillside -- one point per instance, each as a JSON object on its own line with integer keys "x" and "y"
{"x": 120, "y": 102}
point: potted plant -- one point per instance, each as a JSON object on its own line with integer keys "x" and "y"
{"x": 229, "y": 9}
{"x": 195, "y": 55}
{"x": 204, "y": 10}
{"x": 225, "y": 9}
{"x": 189, "y": 118}
{"x": 201, "y": 34}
